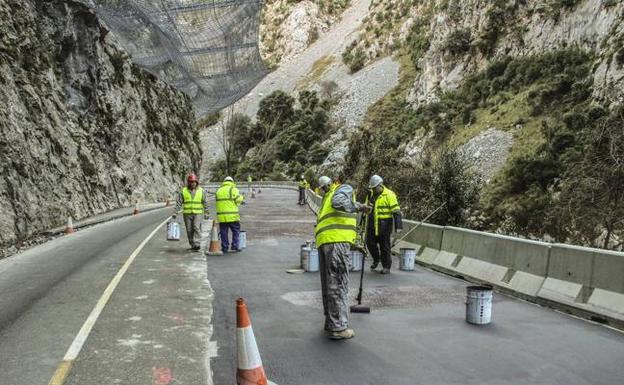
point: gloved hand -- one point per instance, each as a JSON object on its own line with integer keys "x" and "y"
{"x": 399, "y": 231}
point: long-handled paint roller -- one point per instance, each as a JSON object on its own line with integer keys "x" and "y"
{"x": 361, "y": 246}
{"x": 397, "y": 240}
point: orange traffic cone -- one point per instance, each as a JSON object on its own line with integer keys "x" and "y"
{"x": 215, "y": 242}
{"x": 69, "y": 229}
{"x": 136, "y": 209}
{"x": 249, "y": 370}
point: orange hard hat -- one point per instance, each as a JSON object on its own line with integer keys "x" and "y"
{"x": 192, "y": 178}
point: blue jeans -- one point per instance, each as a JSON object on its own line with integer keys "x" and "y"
{"x": 223, "y": 229}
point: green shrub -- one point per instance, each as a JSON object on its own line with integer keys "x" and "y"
{"x": 458, "y": 42}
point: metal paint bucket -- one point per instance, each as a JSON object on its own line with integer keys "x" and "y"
{"x": 479, "y": 305}
{"x": 313, "y": 261}
{"x": 173, "y": 231}
{"x": 356, "y": 260}
{"x": 407, "y": 259}
{"x": 242, "y": 240}
{"x": 304, "y": 256}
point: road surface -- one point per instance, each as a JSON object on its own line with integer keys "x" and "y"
{"x": 171, "y": 319}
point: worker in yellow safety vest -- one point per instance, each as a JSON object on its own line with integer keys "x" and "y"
{"x": 193, "y": 203}
{"x": 386, "y": 214}
{"x": 228, "y": 199}
{"x": 303, "y": 186}
{"x": 335, "y": 233}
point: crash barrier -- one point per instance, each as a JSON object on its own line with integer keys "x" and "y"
{"x": 584, "y": 281}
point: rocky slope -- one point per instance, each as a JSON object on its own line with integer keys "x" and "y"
{"x": 451, "y": 39}
{"x": 289, "y": 27}
{"x": 82, "y": 130}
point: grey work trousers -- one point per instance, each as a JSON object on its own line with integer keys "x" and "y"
{"x": 335, "y": 261}
{"x": 192, "y": 222}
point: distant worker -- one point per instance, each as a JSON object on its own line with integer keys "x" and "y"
{"x": 249, "y": 180}
{"x": 194, "y": 203}
{"x": 228, "y": 199}
{"x": 303, "y": 186}
{"x": 386, "y": 213}
{"x": 335, "y": 233}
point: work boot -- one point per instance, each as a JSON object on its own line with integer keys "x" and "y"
{"x": 195, "y": 248}
{"x": 385, "y": 271}
{"x": 374, "y": 265}
{"x": 341, "y": 335}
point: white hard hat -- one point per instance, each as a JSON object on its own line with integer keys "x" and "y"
{"x": 228, "y": 179}
{"x": 375, "y": 181}
{"x": 302, "y": 176}
{"x": 324, "y": 181}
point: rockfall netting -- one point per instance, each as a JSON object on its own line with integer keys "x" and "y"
{"x": 206, "y": 48}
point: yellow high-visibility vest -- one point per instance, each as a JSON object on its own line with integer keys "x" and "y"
{"x": 228, "y": 198}
{"x": 333, "y": 226}
{"x": 304, "y": 184}
{"x": 193, "y": 204}
{"x": 385, "y": 206}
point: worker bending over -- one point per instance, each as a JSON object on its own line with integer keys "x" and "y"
{"x": 228, "y": 199}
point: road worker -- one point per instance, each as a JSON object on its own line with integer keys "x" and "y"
{"x": 193, "y": 203}
{"x": 249, "y": 180}
{"x": 228, "y": 199}
{"x": 303, "y": 186}
{"x": 386, "y": 213}
{"x": 335, "y": 234}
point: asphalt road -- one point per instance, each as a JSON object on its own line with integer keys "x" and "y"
{"x": 171, "y": 319}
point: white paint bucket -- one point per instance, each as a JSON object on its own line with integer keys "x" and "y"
{"x": 313, "y": 261}
{"x": 356, "y": 260}
{"x": 407, "y": 259}
{"x": 173, "y": 231}
{"x": 479, "y": 305}
{"x": 242, "y": 240}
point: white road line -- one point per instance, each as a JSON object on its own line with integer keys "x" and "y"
{"x": 81, "y": 337}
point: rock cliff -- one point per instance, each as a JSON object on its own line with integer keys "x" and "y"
{"x": 82, "y": 129}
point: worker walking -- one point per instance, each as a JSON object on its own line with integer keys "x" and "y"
{"x": 335, "y": 233}
{"x": 386, "y": 213}
{"x": 303, "y": 186}
{"x": 193, "y": 202}
{"x": 228, "y": 199}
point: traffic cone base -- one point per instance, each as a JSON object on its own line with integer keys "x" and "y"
{"x": 69, "y": 229}
{"x": 215, "y": 242}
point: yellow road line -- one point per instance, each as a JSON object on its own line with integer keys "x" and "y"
{"x": 62, "y": 371}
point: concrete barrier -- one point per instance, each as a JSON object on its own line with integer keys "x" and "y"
{"x": 510, "y": 263}
{"x": 426, "y": 239}
{"x": 585, "y": 278}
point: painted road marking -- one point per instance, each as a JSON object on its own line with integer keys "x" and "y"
{"x": 72, "y": 353}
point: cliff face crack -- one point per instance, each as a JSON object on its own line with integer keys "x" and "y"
{"x": 206, "y": 48}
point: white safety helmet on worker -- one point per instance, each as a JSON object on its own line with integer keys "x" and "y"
{"x": 375, "y": 181}
{"x": 228, "y": 179}
{"x": 324, "y": 181}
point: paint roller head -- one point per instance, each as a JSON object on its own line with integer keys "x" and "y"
{"x": 360, "y": 309}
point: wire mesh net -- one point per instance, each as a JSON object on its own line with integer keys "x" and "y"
{"x": 206, "y": 48}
